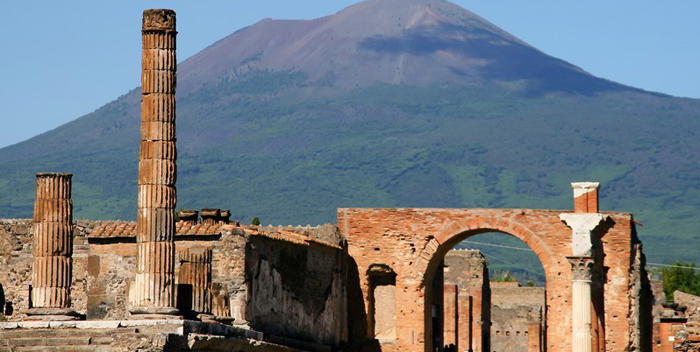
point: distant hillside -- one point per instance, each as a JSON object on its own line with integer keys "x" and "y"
{"x": 387, "y": 103}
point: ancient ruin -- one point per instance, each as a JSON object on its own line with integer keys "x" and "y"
{"x": 154, "y": 288}
{"x": 52, "y": 248}
{"x": 380, "y": 280}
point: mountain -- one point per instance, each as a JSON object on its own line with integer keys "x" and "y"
{"x": 387, "y": 103}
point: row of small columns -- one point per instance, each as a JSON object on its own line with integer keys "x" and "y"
{"x": 583, "y": 222}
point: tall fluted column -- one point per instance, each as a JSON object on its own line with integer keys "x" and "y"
{"x": 581, "y": 304}
{"x": 52, "y": 247}
{"x": 195, "y": 272}
{"x": 154, "y": 291}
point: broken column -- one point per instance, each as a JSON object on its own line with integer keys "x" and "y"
{"x": 191, "y": 217}
{"x": 210, "y": 216}
{"x": 582, "y": 222}
{"x": 195, "y": 274}
{"x": 52, "y": 248}
{"x": 154, "y": 287}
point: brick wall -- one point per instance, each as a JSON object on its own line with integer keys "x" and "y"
{"x": 413, "y": 243}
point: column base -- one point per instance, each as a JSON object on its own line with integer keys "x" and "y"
{"x": 52, "y": 314}
{"x": 223, "y": 320}
{"x": 207, "y": 318}
{"x": 155, "y": 313}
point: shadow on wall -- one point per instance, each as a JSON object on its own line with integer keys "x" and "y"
{"x": 296, "y": 291}
{"x": 359, "y": 339}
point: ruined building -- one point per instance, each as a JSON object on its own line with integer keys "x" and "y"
{"x": 376, "y": 281}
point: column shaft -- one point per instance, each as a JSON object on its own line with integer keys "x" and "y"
{"x": 581, "y": 270}
{"x": 53, "y": 241}
{"x": 581, "y": 316}
{"x": 154, "y": 290}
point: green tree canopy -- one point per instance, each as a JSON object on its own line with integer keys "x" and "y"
{"x": 681, "y": 276}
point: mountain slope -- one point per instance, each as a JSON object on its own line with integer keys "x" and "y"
{"x": 387, "y": 103}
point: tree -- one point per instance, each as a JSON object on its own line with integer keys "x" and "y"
{"x": 681, "y": 276}
{"x": 255, "y": 221}
{"x": 504, "y": 276}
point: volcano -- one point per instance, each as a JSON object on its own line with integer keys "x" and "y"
{"x": 415, "y": 103}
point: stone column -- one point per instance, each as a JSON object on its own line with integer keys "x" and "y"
{"x": 52, "y": 248}
{"x": 210, "y": 216}
{"x": 190, "y": 217}
{"x": 195, "y": 272}
{"x": 582, "y": 222}
{"x": 581, "y": 304}
{"x": 154, "y": 287}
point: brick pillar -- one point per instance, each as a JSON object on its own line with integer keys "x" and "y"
{"x": 534, "y": 337}
{"x": 585, "y": 197}
{"x": 195, "y": 272}
{"x": 465, "y": 322}
{"x": 451, "y": 326}
{"x": 52, "y": 248}
{"x": 154, "y": 287}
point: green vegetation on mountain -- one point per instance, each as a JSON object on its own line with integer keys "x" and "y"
{"x": 288, "y": 120}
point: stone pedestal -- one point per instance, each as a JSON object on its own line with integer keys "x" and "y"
{"x": 153, "y": 292}
{"x": 52, "y": 248}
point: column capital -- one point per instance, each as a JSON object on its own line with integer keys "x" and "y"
{"x": 159, "y": 20}
{"x": 581, "y": 267}
{"x": 582, "y": 226}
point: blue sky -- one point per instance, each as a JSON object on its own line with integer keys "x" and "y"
{"x": 61, "y": 60}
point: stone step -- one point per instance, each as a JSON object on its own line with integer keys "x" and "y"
{"x": 48, "y": 341}
{"x": 18, "y": 333}
{"x": 61, "y": 348}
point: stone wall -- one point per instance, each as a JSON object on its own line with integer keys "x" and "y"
{"x": 515, "y": 310}
{"x": 16, "y": 266}
{"x": 296, "y": 291}
{"x": 281, "y": 283}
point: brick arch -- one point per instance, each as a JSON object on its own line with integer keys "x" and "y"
{"x": 454, "y": 232}
{"x": 410, "y": 240}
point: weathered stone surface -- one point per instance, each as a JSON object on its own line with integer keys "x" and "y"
{"x": 195, "y": 274}
{"x": 160, "y": 20}
{"x": 153, "y": 290}
{"x": 53, "y": 242}
{"x": 516, "y": 313}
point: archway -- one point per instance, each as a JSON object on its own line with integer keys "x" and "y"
{"x": 412, "y": 241}
{"x": 435, "y": 290}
